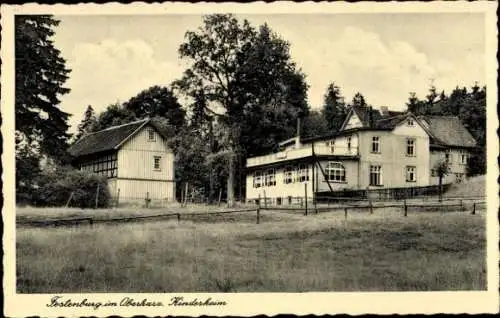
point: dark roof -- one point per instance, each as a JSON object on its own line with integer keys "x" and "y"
{"x": 390, "y": 122}
{"x": 341, "y": 133}
{"x": 367, "y": 115}
{"x": 107, "y": 139}
{"x": 448, "y": 131}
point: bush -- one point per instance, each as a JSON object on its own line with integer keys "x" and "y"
{"x": 55, "y": 188}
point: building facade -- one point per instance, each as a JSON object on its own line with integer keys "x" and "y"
{"x": 372, "y": 150}
{"x": 134, "y": 157}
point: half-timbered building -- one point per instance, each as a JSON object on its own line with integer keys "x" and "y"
{"x": 134, "y": 157}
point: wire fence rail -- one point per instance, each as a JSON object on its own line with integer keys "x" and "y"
{"x": 405, "y": 206}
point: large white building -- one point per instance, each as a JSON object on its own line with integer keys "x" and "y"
{"x": 372, "y": 150}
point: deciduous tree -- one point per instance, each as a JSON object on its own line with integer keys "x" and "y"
{"x": 250, "y": 85}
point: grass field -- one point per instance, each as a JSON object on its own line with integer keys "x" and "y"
{"x": 287, "y": 252}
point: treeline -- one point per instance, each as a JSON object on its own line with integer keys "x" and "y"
{"x": 244, "y": 96}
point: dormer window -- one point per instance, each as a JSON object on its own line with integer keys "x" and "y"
{"x": 151, "y": 135}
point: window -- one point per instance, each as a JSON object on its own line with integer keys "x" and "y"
{"x": 335, "y": 172}
{"x": 434, "y": 173}
{"x": 151, "y": 135}
{"x": 270, "y": 178}
{"x": 349, "y": 144}
{"x": 257, "y": 179}
{"x": 303, "y": 173}
{"x": 411, "y": 174}
{"x": 289, "y": 174}
{"x": 447, "y": 157}
{"x": 463, "y": 159}
{"x": 375, "y": 144}
{"x": 332, "y": 146}
{"x": 410, "y": 147}
{"x": 375, "y": 175}
{"x": 410, "y": 122}
{"x": 156, "y": 162}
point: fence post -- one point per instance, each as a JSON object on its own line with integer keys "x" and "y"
{"x": 186, "y": 193}
{"x": 406, "y": 208}
{"x": 258, "y": 202}
{"x": 474, "y": 208}
{"x": 69, "y": 200}
{"x": 258, "y": 215}
{"x": 461, "y": 204}
{"x": 371, "y": 206}
{"x": 220, "y": 196}
{"x": 97, "y": 195}
{"x": 345, "y": 213}
{"x": 305, "y": 196}
{"x": 147, "y": 199}
{"x": 178, "y": 218}
{"x": 118, "y": 197}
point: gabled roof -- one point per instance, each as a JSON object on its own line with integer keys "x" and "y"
{"x": 367, "y": 115}
{"x": 108, "y": 139}
{"x": 448, "y": 131}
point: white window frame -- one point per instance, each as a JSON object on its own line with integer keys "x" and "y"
{"x": 257, "y": 179}
{"x": 151, "y": 135}
{"x": 270, "y": 177}
{"x": 413, "y": 147}
{"x": 155, "y": 165}
{"x": 335, "y": 172}
{"x": 349, "y": 144}
{"x": 411, "y": 174}
{"x": 463, "y": 158}
{"x": 302, "y": 173}
{"x": 375, "y": 144}
{"x": 376, "y": 170}
{"x": 289, "y": 175}
{"x": 331, "y": 144}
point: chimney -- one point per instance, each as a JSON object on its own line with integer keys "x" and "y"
{"x": 384, "y": 110}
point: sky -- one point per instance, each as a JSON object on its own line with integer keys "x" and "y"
{"x": 384, "y": 56}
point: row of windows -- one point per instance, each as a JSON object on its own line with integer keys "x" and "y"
{"x": 331, "y": 144}
{"x": 376, "y": 175}
{"x": 410, "y": 146}
{"x": 462, "y": 157}
{"x": 105, "y": 166}
{"x": 334, "y": 171}
{"x": 299, "y": 173}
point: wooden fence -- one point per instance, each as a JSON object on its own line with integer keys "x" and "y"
{"x": 306, "y": 209}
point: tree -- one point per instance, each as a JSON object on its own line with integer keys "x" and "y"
{"x": 413, "y": 103}
{"x": 40, "y": 76}
{"x": 359, "y": 100}
{"x": 115, "y": 114}
{"x": 315, "y": 124}
{"x": 248, "y": 82}
{"x": 442, "y": 168}
{"x": 334, "y": 108}
{"x": 85, "y": 126}
{"x": 157, "y": 101}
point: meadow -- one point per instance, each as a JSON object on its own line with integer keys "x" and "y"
{"x": 286, "y": 252}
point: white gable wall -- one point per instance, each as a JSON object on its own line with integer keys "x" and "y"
{"x": 353, "y": 122}
{"x": 136, "y": 173}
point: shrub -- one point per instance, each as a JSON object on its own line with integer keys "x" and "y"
{"x": 55, "y": 188}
